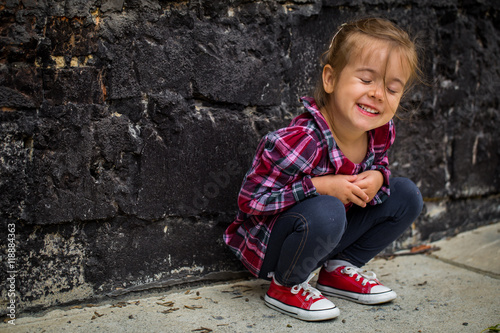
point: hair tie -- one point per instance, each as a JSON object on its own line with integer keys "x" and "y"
{"x": 340, "y": 28}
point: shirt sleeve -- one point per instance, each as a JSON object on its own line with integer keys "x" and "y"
{"x": 384, "y": 138}
{"x": 280, "y": 174}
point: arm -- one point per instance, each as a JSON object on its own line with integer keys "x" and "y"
{"x": 368, "y": 187}
{"x": 279, "y": 177}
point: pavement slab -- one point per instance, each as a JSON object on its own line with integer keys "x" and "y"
{"x": 476, "y": 249}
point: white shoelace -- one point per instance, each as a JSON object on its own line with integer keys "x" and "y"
{"x": 368, "y": 276}
{"x": 307, "y": 289}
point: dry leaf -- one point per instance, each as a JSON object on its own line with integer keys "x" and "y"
{"x": 193, "y": 307}
{"x": 119, "y": 305}
{"x": 96, "y": 315}
{"x": 170, "y": 310}
{"x": 168, "y": 303}
{"x": 420, "y": 248}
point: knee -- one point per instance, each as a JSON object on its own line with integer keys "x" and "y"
{"x": 326, "y": 225}
{"x": 408, "y": 192}
{"x": 328, "y": 216}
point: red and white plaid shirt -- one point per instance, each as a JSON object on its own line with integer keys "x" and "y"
{"x": 280, "y": 177}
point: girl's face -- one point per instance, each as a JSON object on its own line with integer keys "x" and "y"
{"x": 367, "y": 92}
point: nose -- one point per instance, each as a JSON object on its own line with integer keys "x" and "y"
{"x": 377, "y": 92}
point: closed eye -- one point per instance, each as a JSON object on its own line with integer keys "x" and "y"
{"x": 394, "y": 90}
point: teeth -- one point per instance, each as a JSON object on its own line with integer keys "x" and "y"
{"x": 367, "y": 109}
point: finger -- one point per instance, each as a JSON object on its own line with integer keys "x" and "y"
{"x": 361, "y": 183}
{"x": 357, "y": 201}
{"x": 358, "y": 198}
{"x": 359, "y": 192}
{"x": 351, "y": 178}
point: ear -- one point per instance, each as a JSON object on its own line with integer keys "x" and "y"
{"x": 328, "y": 79}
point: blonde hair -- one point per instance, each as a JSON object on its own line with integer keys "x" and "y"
{"x": 346, "y": 43}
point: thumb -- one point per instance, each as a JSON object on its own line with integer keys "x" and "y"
{"x": 352, "y": 178}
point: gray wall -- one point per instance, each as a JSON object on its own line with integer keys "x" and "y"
{"x": 126, "y": 128}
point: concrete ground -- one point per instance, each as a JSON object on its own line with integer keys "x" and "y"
{"x": 453, "y": 289}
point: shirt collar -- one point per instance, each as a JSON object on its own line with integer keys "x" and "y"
{"x": 312, "y": 107}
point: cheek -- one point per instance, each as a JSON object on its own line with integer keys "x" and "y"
{"x": 393, "y": 103}
{"x": 394, "y": 100}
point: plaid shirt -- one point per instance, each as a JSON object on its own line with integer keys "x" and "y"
{"x": 280, "y": 177}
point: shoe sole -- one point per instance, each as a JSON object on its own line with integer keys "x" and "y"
{"x": 306, "y": 315}
{"x": 368, "y": 299}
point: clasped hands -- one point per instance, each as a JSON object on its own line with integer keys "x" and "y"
{"x": 358, "y": 189}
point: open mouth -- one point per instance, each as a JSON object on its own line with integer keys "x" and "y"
{"x": 367, "y": 109}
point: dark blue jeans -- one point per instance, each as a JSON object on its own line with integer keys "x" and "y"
{"x": 319, "y": 229}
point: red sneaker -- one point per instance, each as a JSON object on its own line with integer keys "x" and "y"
{"x": 300, "y": 301}
{"x": 354, "y": 284}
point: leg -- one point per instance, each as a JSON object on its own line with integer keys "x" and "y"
{"x": 369, "y": 231}
{"x": 302, "y": 237}
{"x": 372, "y": 229}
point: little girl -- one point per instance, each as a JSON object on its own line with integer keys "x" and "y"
{"x": 319, "y": 192}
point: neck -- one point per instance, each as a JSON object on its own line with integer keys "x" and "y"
{"x": 342, "y": 134}
{"x": 352, "y": 143}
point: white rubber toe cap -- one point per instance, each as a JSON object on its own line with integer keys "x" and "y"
{"x": 322, "y": 304}
{"x": 379, "y": 289}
